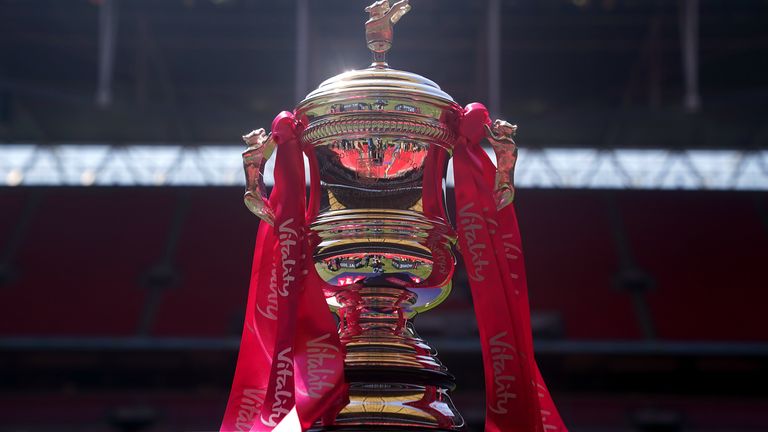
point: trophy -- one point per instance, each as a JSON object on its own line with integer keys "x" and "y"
{"x": 374, "y": 244}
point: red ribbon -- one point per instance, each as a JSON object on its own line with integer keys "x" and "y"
{"x": 300, "y": 362}
{"x": 516, "y": 396}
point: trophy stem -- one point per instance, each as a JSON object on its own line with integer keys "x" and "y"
{"x": 396, "y": 382}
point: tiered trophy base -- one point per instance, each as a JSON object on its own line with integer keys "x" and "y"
{"x": 392, "y": 407}
{"x": 396, "y": 382}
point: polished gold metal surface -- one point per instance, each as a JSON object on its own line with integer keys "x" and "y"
{"x": 260, "y": 148}
{"x": 500, "y": 136}
{"x": 399, "y": 405}
{"x": 379, "y": 27}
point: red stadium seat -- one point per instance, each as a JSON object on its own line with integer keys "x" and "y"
{"x": 571, "y": 260}
{"x": 80, "y": 262}
{"x": 214, "y": 263}
{"x": 708, "y": 253}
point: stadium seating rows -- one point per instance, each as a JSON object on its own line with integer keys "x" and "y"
{"x": 88, "y": 262}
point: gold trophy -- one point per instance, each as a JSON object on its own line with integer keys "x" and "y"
{"x": 382, "y": 139}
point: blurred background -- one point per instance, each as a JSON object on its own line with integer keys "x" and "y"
{"x": 125, "y": 248}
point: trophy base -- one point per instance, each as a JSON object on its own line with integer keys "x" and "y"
{"x": 396, "y": 382}
{"x": 387, "y": 396}
{"x": 398, "y": 407}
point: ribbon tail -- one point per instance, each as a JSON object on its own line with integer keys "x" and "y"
{"x": 251, "y": 373}
{"x": 514, "y": 393}
{"x": 513, "y": 250}
{"x": 289, "y": 232}
{"x": 306, "y": 380}
{"x": 510, "y": 251}
{"x": 550, "y": 416}
{"x": 320, "y": 386}
{"x": 507, "y": 391}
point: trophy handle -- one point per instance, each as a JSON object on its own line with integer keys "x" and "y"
{"x": 500, "y": 136}
{"x": 260, "y": 149}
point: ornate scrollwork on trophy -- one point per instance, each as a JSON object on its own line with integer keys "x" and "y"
{"x": 421, "y": 129}
{"x": 260, "y": 148}
{"x": 500, "y": 136}
{"x": 378, "y": 29}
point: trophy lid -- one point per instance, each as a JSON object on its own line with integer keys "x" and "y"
{"x": 378, "y": 100}
{"x": 379, "y": 77}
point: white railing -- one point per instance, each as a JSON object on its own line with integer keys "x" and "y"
{"x": 213, "y": 165}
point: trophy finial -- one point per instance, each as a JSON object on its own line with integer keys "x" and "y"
{"x": 378, "y": 28}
